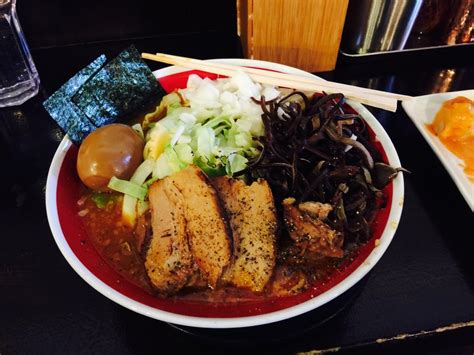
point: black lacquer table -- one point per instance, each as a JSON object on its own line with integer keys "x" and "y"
{"x": 418, "y": 298}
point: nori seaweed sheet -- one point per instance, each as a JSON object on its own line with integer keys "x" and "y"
{"x": 122, "y": 86}
{"x": 68, "y": 116}
{"x": 100, "y": 94}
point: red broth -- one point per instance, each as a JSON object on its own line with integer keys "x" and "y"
{"x": 117, "y": 245}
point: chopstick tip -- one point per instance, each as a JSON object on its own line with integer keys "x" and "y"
{"x": 147, "y": 55}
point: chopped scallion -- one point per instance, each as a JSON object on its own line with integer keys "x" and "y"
{"x": 101, "y": 199}
{"x": 127, "y": 188}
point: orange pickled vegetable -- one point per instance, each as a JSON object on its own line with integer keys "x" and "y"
{"x": 454, "y": 126}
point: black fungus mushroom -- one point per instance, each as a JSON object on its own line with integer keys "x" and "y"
{"x": 318, "y": 149}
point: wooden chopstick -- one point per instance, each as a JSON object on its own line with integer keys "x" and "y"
{"x": 366, "y": 96}
{"x": 355, "y": 93}
{"x": 299, "y": 78}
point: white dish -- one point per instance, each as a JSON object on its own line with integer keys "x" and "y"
{"x": 245, "y": 321}
{"x": 422, "y": 111}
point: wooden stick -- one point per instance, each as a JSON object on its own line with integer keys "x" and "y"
{"x": 354, "y": 93}
{"x": 293, "y": 77}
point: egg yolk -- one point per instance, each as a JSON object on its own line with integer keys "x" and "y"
{"x": 454, "y": 126}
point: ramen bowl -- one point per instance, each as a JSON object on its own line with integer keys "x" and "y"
{"x": 63, "y": 191}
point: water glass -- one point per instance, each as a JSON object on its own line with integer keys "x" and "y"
{"x": 19, "y": 79}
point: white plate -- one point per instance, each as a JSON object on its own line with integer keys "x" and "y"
{"x": 422, "y": 111}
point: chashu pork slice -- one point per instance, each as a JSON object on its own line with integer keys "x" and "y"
{"x": 306, "y": 226}
{"x": 168, "y": 258}
{"x": 209, "y": 234}
{"x": 253, "y": 221}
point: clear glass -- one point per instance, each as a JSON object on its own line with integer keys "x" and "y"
{"x": 19, "y": 79}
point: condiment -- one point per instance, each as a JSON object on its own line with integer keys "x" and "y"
{"x": 454, "y": 126}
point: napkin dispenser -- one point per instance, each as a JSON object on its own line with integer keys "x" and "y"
{"x": 302, "y": 33}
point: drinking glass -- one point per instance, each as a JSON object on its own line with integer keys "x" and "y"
{"x": 19, "y": 79}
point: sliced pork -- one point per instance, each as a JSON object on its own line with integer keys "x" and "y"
{"x": 306, "y": 226}
{"x": 168, "y": 258}
{"x": 253, "y": 221}
{"x": 210, "y": 238}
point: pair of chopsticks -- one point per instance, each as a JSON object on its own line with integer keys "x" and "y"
{"x": 370, "y": 97}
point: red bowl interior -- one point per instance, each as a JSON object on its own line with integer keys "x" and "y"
{"x": 68, "y": 193}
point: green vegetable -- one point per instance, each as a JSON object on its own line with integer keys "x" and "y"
{"x": 149, "y": 182}
{"x": 127, "y": 188}
{"x": 205, "y": 141}
{"x": 210, "y": 170}
{"x": 129, "y": 204}
{"x": 214, "y": 122}
{"x": 235, "y": 163}
{"x": 142, "y": 207}
{"x": 168, "y": 163}
{"x": 207, "y": 144}
{"x": 143, "y": 171}
{"x": 101, "y": 199}
{"x": 210, "y": 124}
{"x": 185, "y": 153}
{"x": 173, "y": 107}
{"x": 162, "y": 167}
{"x": 129, "y": 209}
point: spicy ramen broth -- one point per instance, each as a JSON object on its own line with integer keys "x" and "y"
{"x": 117, "y": 244}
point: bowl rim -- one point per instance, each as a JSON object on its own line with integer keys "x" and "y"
{"x": 234, "y": 322}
